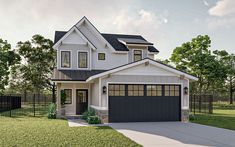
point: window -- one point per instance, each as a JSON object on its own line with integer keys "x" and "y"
{"x": 65, "y": 59}
{"x": 82, "y": 59}
{"x": 172, "y": 90}
{"x": 116, "y": 90}
{"x": 137, "y": 55}
{"x": 135, "y": 90}
{"x": 154, "y": 90}
{"x": 101, "y": 56}
{"x": 68, "y": 93}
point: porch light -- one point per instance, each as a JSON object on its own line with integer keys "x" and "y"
{"x": 185, "y": 90}
{"x": 104, "y": 89}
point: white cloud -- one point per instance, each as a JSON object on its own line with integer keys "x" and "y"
{"x": 205, "y": 3}
{"x": 223, "y": 8}
{"x": 142, "y": 22}
{"x": 223, "y": 22}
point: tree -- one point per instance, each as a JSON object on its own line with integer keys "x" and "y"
{"x": 195, "y": 57}
{"x": 39, "y": 60}
{"x": 228, "y": 60}
{"x": 8, "y": 58}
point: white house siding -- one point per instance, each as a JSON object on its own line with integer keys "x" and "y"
{"x": 131, "y": 79}
{"x": 74, "y": 48}
{"x": 70, "y": 109}
{"x": 95, "y": 93}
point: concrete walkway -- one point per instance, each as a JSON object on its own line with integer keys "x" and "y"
{"x": 176, "y": 134}
{"x": 81, "y": 123}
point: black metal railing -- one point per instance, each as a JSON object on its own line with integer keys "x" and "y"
{"x": 17, "y": 105}
{"x": 201, "y": 103}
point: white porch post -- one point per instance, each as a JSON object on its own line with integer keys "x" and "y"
{"x": 58, "y": 101}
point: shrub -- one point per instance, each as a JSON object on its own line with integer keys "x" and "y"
{"x": 87, "y": 113}
{"x": 52, "y": 111}
{"x": 192, "y": 117}
{"x": 93, "y": 120}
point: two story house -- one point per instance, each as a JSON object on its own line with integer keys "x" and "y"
{"x": 117, "y": 76}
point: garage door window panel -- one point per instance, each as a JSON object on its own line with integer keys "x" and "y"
{"x": 135, "y": 90}
{"x": 172, "y": 90}
{"x": 154, "y": 90}
{"x": 116, "y": 90}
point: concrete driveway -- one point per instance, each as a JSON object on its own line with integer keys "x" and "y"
{"x": 176, "y": 134}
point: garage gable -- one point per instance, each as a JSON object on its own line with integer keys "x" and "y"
{"x": 145, "y": 69}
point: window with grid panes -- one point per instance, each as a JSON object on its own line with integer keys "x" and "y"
{"x": 116, "y": 90}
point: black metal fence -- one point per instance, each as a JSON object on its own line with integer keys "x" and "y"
{"x": 18, "y": 105}
{"x": 201, "y": 103}
{"x": 9, "y": 102}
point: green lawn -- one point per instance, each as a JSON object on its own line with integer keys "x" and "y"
{"x": 29, "y": 131}
{"x": 223, "y": 117}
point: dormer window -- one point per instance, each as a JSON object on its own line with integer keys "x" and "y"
{"x": 137, "y": 55}
{"x": 65, "y": 59}
{"x": 82, "y": 60}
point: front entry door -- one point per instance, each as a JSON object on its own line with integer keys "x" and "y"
{"x": 82, "y": 100}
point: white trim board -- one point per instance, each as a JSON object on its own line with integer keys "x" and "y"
{"x": 146, "y": 60}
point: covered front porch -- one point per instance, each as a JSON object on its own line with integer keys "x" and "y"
{"x": 77, "y": 98}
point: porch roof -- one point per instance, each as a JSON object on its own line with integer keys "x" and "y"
{"x": 74, "y": 75}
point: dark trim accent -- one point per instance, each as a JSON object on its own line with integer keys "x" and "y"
{"x": 99, "y": 56}
{"x": 69, "y": 59}
{"x": 86, "y": 59}
{"x": 71, "y": 95}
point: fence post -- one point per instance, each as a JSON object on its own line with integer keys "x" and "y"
{"x": 10, "y": 105}
{"x": 34, "y": 105}
{"x": 194, "y": 104}
{"x": 211, "y": 104}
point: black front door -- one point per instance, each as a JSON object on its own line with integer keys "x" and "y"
{"x": 82, "y": 100}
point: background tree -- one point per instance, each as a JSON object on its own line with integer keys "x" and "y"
{"x": 228, "y": 60}
{"x": 195, "y": 57}
{"x": 38, "y": 62}
{"x": 8, "y": 58}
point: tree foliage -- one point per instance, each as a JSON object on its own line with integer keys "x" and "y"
{"x": 38, "y": 62}
{"x": 8, "y": 58}
{"x": 195, "y": 57}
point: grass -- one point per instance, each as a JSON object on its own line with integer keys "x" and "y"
{"x": 223, "y": 116}
{"x": 30, "y": 131}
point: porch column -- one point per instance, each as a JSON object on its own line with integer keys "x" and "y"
{"x": 58, "y": 101}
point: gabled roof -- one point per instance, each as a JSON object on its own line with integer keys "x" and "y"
{"x": 157, "y": 63}
{"x": 113, "y": 40}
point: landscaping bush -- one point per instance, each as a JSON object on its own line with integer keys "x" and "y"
{"x": 192, "y": 117}
{"x": 93, "y": 120}
{"x": 52, "y": 111}
{"x": 87, "y": 113}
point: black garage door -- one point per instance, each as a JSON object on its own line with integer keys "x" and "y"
{"x": 144, "y": 103}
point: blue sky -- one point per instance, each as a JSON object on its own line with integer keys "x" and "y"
{"x": 166, "y": 23}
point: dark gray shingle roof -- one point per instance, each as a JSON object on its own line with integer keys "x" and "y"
{"x": 74, "y": 75}
{"x": 113, "y": 40}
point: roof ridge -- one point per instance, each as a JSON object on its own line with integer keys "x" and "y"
{"x": 121, "y": 34}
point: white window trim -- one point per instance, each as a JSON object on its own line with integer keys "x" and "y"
{"x": 61, "y": 59}
{"x": 88, "y": 62}
{"x": 133, "y": 54}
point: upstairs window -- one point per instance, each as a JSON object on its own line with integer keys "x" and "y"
{"x": 82, "y": 60}
{"x": 65, "y": 59}
{"x": 137, "y": 55}
{"x": 101, "y": 56}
